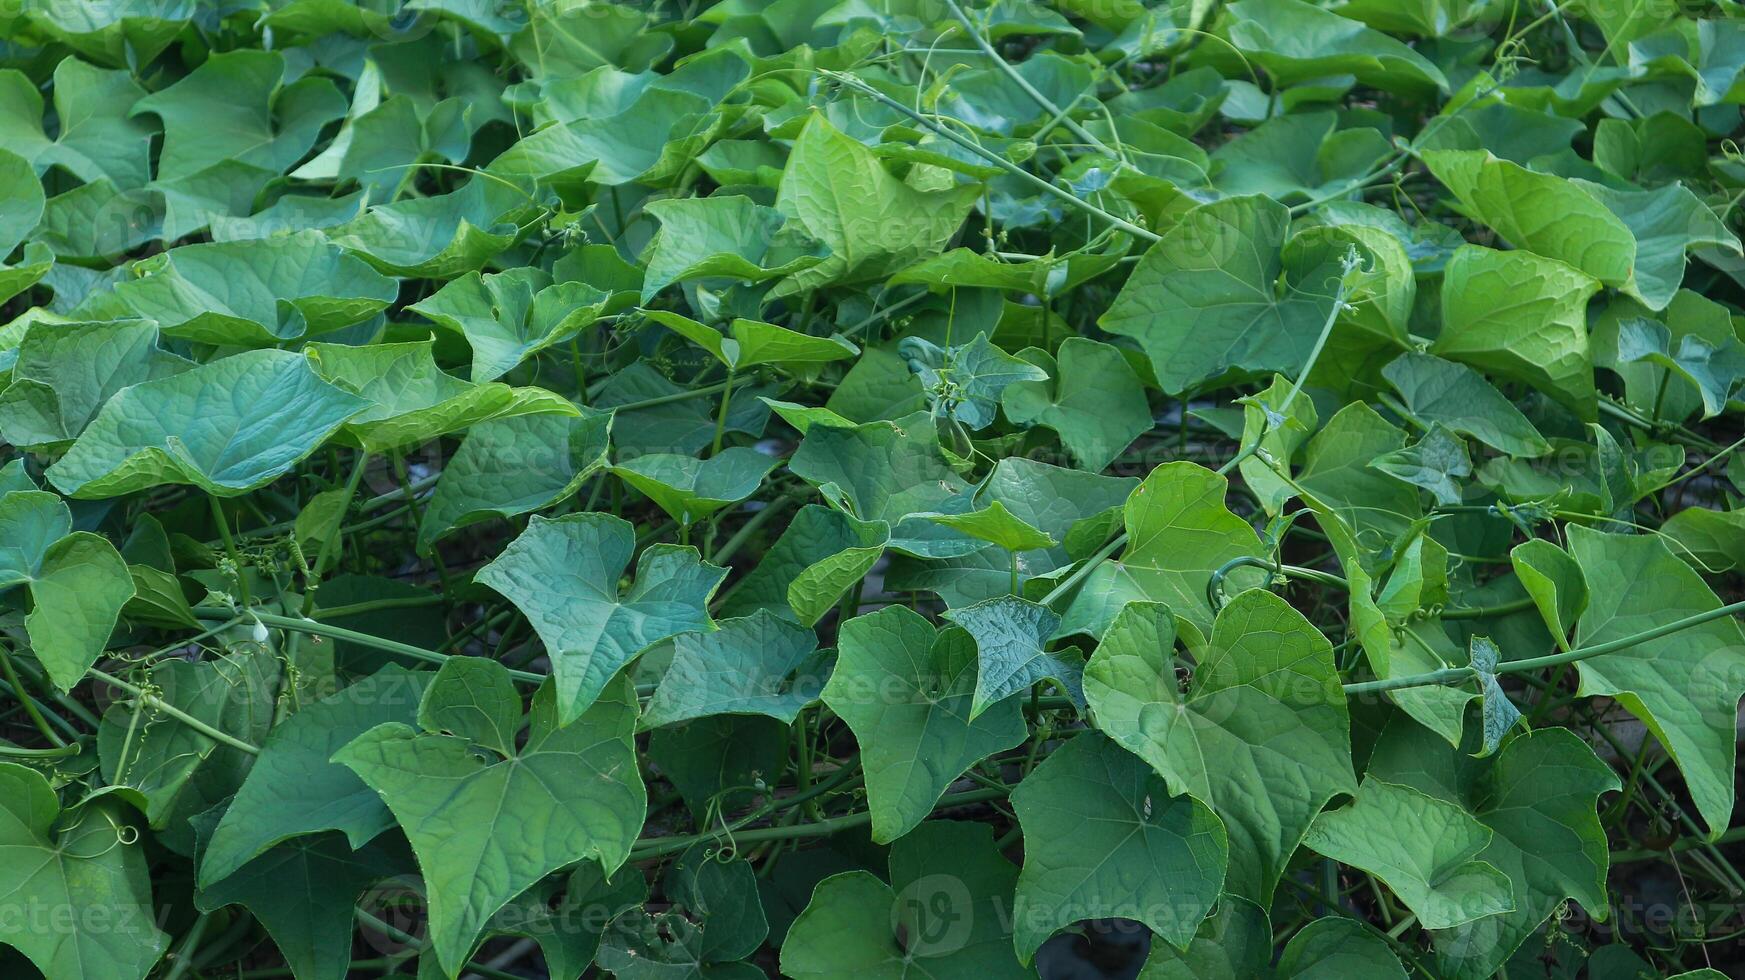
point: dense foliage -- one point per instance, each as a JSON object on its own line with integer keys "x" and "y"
{"x": 870, "y": 488}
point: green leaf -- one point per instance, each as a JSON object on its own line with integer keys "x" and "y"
{"x": 113, "y": 33}
{"x": 474, "y": 699}
{"x": 1435, "y": 391}
{"x": 886, "y": 471}
{"x": 965, "y": 382}
{"x": 1713, "y": 540}
{"x": 942, "y": 916}
{"x": 1555, "y": 582}
{"x": 996, "y": 524}
{"x": 274, "y": 411}
{"x": 1338, "y": 947}
{"x": 411, "y": 400}
{"x": 1539, "y": 337}
{"x": 1498, "y": 714}
{"x": 1713, "y": 371}
{"x": 760, "y": 664}
{"x": 1104, "y": 837}
{"x": 484, "y": 830}
{"x": 96, "y": 137}
{"x": 753, "y": 342}
{"x": 1435, "y": 869}
{"x": 1543, "y": 213}
{"x": 691, "y": 489}
{"x": 22, "y": 206}
{"x": 1234, "y": 943}
{"x": 507, "y": 317}
{"x": 1279, "y": 422}
{"x": 1096, "y": 402}
{"x": 724, "y": 237}
{"x": 719, "y": 763}
{"x": 564, "y": 575}
{"x": 311, "y": 923}
{"x": 235, "y": 106}
{"x": 1378, "y": 506}
{"x": 65, "y": 372}
{"x": 835, "y": 190}
{"x": 1264, "y": 718}
{"x": 442, "y": 236}
{"x": 1538, "y": 796}
{"x": 256, "y": 294}
{"x": 78, "y": 582}
{"x": 1207, "y": 300}
{"x": 1296, "y": 41}
{"x": 1437, "y": 462}
{"x": 1011, "y": 637}
{"x": 72, "y": 862}
{"x": 511, "y": 466}
{"x": 294, "y": 789}
{"x": 717, "y": 921}
{"x": 905, "y": 690}
{"x": 1179, "y": 531}
{"x": 1685, "y": 687}
{"x": 1666, "y": 223}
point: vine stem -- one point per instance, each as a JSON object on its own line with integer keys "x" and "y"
{"x": 297, "y": 624}
{"x": 327, "y": 545}
{"x": 1044, "y": 102}
{"x": 177, "y": 713}
{"x": 1454, "y": 675}
{"x": 29, "y": 702}
{"x": 659, "y": 846}
{"x": 1046, "y": 186}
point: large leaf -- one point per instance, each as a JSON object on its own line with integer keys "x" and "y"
{"x": 1538, "y": 797}
{"x": 1095, "y": 401}
{"x": 943, "y": 916}
{"x": 1437, "y": 870}
{"x": 761, "y": 664}
{"x": 486, "y": 828}
{"x": 96, "y": 138}
{"x": 886, "y": 471}
{"x": 1105, "y": 838}
{"x": 412, "y": 400}
{"x": 62, "y": 863}
{"x": 66, "y": 372}
{"x": 227, "y": 427}
{"x": 1686, "y": 686}
{"x": 728, "y": 237}
{"x": 256, "y": 294}
{"x": 295, "y": 789}
{"x": 1436, "y": 391}
{"x": 1264, "y": 719}
{"x": 235, "y": 107}
{"x": 77, "y": 581}
{"x": 514, "y": 465}
{"x": 510, "y": 316}
{"x": 1520, "y": 317}
{"x": 905, "y": 690}
{"x": 691, "y": 489}
{"x": 835, "y": 190}
{"x": 1011, "y": 637}
{"x": 1179, "y": 531}
{"x": 564, "y": 574}
{"x": 1297, "y": 41}
{"x": 1207, "y": 299}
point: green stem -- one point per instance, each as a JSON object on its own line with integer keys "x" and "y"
{"x": 1044, "y": 102}
{"x": 669, "y": 845}
{"x": 1047, "y": 187}
{"x": 721, "y": 414}
{"x": 177, "y": 713}
{"x": 29, "y": 702}
{"x": 327, "y": 552}
{"x": 310, "y": 626}
{"x": 1455, "y": 675}
{"x": 230, "y": 546}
